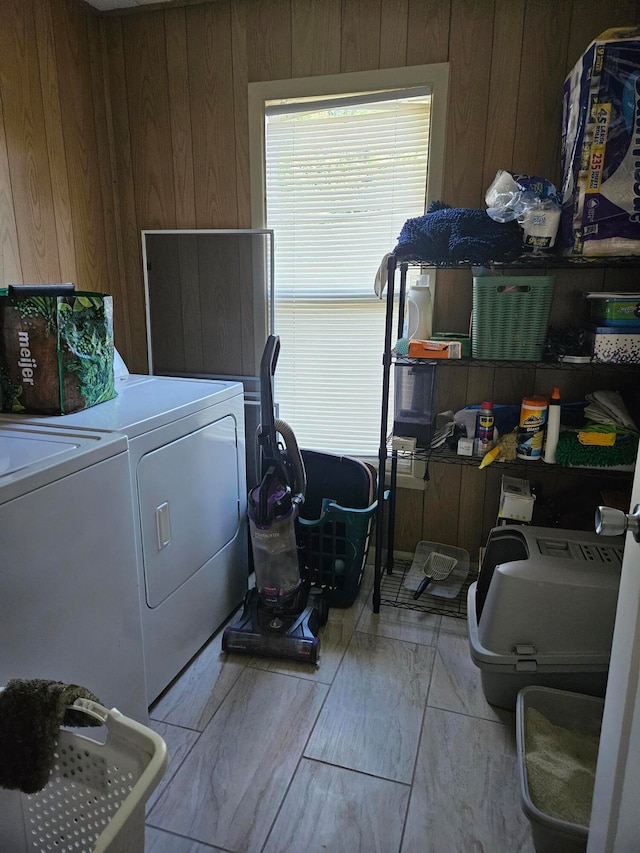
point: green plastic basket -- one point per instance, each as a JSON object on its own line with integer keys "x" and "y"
{"x": 510, "y": 316}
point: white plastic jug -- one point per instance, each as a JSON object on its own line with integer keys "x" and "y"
{"x": 419, "y": 310}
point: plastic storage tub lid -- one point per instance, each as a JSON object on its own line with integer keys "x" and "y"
{"x": 525, "y": 658}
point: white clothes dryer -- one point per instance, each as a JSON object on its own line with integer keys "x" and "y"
{"x": 187, "y": 471}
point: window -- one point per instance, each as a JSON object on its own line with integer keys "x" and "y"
{"x": 341, "y": 171}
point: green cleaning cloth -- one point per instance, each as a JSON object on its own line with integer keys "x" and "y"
{"x": 31, "y": 713}
{"x": 571, "y": 452}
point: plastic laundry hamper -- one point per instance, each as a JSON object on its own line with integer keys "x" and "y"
{"x": 510, "y": 316}
{"x": 96, "y": 794}
{"x": 335, "y": 524}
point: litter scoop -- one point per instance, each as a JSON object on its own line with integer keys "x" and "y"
{"x": 437, "y": 567}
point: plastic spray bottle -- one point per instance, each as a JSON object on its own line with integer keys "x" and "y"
{"x": 553, "y": 426}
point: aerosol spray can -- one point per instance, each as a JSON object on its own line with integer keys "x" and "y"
{"x": 484, "y": 428}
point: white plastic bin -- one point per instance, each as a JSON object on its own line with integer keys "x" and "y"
{"x": 580, "y": 714}
{"x": 96, "y": 794}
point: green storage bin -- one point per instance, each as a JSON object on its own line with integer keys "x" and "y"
{"x": 510, "y": 316}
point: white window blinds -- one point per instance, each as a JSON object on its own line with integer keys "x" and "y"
{"x": 342, "y": 176}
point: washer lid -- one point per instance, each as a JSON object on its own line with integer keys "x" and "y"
{"x": 32, "y": 455}
{"x": 144, "y": 403}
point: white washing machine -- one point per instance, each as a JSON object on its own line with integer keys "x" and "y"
{"x": 187, "y": 470}
{"x": 69, "y": 603}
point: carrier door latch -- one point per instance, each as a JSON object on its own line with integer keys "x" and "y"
{"x": 526, "y": 665}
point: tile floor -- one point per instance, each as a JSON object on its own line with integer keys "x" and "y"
{"x": 387, "y": 746}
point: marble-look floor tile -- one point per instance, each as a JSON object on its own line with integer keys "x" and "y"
{"x": 397, "y": 623}
{"x": 466, "y": 794}
{"x": 196, "y": 695}
{"x": 179, "y": 741}
{"x": 229, "y": 788}
{"x": 372, "y": 717}
{"x": 157, "y": 841}
{"x": 456, "y": 682}
{"x": 334, "y": 639}
{"x": 332, "y": 809}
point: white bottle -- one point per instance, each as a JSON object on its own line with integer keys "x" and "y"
{"x": 419, "y": 310}
{"x": 553, "y": 427}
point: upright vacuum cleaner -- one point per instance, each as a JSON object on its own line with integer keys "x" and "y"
{"x": 281, "y": 616}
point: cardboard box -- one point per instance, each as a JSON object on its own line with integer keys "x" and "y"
{"x": 435, "y": 349}
{"x": 516, "y": 500}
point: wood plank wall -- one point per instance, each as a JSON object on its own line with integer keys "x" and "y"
{"x": 111, "y": 124}
{"x": 57, "y": 187}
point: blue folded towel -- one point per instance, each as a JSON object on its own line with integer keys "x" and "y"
{"x": 447, "y": 234}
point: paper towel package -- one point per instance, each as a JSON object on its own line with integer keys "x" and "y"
{"x": 600, "y": 158}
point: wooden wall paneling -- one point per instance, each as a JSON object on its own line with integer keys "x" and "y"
{"x": 621, "y": 279}
{"x": 166, "y": 287}
{"x": 220, "y": 305}
{"x": 570, "y": 309}
{"x": 479, "y": 384}
{"x": 240, "y": 65}
{"x": 188, "y": 287}
{"x": 26, "y": 145}
{"x": 428, "y": 31}
{"x": 573, "y": 384}
{"x": 149, "y": 119}
{"x": 591, "y": 17}
{"x": 453, "y": 301}
{"x": 180, "y": 116}
{"x": 472, "y": 500}
{"x": 269, "y": 47}
{"x": 212, "y": 115}
{"x": 360, "y": 46}
{"x": 451, "y": 388}
{"x": 50, "y": 84}
{"x": 471, "y": 26}
{"x": 315, "y": 37}
{"x": 442, "y": 503}
{"x": 510, "y": 386}
{"x": 393, "y": 33}
{"x": 10, "y": 269}
{"x": 538, "y": 121}
{"x": 80, "y": 131}
{"x": 502, "y": 109}
{"x": 408, "y": 520}
{"x": 130, "y": 340}
{"x": 114, "y": 275}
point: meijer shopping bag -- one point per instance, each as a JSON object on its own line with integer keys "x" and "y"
{"x": 56, "y": 349}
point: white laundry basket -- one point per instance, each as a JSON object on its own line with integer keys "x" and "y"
{"x": 94, "y": 801}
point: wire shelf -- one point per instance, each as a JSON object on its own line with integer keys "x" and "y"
{"x": 394, "y": 594}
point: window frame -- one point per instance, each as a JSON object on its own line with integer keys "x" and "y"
{"x": 435, "y": 75}
{"x": 260, "y": 94}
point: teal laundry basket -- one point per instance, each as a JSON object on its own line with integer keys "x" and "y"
{"x": 510, "y": 316}
{"x": 334, "y": 550}
{"x": 335, "y": 524}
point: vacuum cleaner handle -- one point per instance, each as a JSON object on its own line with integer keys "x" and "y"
{"x": 267, "y": 436}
